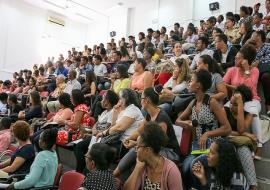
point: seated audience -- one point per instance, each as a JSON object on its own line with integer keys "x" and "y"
{"x": 244, "y": 73}
{"x": 181, "y": 75}
{"x": 207, "y": 118}
{"x": 177, "y": 50}
{"x": 231, "y": 31}
{"x": 61, "y": 70}
{"x": 5, "y": 135}
{"x": 100, "y": 71}
{"x": 190, "y": 39}
{"x": 257, "y": 22}
{"x": 147, "y": 56}
{"x": 72, "y": 84}
{"x": 262, "y": 61}
{"x": 220, "y": 169}
{"x": 246, "y": 32}
{"x": 21, "y": 160}
{"x": 89, "y": 88}
{"x": 14, "y": 106}
{"x": 18, "y": 86}
{"x": 35, "y": 110}
{"x": 110, "y": 99}
{"x": 80, "y": 117}
{"x": 126, "y": 117}
{"x": 3, "y": 103}
{"x": 60, "y": 87}
{"x": 218, "y": 88}
{"x": 149, "y": 102}
{"x": 153, "y": 170}
{"x": 120, "y": 79}
{"x": 201, "y": 49}
{"x": 141, "y": 79}
{"x": 98, "y": 160}
{"x": 44, "y": 167}
{"x": 224, "y": 54}
{"x": 240, "y": 122}
{"x": 64, "y": 113}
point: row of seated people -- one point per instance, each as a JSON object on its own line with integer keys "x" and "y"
{"x": 75, "y": 86}
{"x": 131, "y": 123}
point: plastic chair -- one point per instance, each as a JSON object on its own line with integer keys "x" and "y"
{"x": 71, "y": 180}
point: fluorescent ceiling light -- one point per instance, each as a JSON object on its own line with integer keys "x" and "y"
{"x": 54, "y": 4}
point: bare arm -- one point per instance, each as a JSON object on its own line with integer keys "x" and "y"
{"x": 18, "y": 162}
{"x": 225, "y": 128}
{"x": 77, "y": 120}
{"x": 183, "y": 120}
{"x": 148, "y": 80}
{"x": 221, "y": 92}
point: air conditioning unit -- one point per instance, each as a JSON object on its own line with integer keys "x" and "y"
{"x": 55, "y": 20}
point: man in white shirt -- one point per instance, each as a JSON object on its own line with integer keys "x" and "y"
{"x": 99, "y": 68}
{"x": 201, "y": 46}
{"x": 219, "y": 23}
{"x": 157, "y": 41}
{"x": 101, "y": 72}
{"x": 257, "y": 22}
{"x": 72, "y": 84}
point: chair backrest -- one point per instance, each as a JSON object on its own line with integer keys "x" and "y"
{"x": 71, "y": 180}
{"x": 57, "y": 175}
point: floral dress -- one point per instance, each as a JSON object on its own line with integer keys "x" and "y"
{"x": 70, "y": 134}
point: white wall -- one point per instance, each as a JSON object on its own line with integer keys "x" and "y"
{"x": 27, "y": 38}
{"x": 99, "y": 30}
{"x": 201, "y": 7}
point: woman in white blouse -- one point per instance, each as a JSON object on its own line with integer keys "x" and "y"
{"x": 126, "y": 117}
{"x": 177, "y": 49}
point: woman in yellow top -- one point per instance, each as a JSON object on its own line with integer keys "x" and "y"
{"x": 121, "y": 79}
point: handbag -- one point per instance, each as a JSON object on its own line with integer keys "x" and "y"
{"x": 265, "y": 123}
{"x": 181, "y": 102}
{"x": 169, "y": 153}
{"x": 165, "y": 98}
{"x": 242, "y": 140}
{"x": 111, "y": 139}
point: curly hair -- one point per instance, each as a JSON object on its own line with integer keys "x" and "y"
{"x": 245, "y": 92}
{"x": 153, "y": 136}
{"x": 228, "y": 162}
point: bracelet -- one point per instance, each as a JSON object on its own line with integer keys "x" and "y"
{"x": 174, "y": 78}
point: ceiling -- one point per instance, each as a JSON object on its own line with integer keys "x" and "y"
{"x": 85, "y": 11}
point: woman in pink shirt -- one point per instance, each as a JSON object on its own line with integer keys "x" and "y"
{"x": 5, "y": 135}
{"x": 244, "y": 73}
{"x": 141, "y": 79}
{"x": 153, "y": 170}
{"x": 64, "y": 112}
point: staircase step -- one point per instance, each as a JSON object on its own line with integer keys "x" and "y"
{"x": 262, "y": 167}
{"x": 266, "y": 150}
{"x": 263, "y": 183}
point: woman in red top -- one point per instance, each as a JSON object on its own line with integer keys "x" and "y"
{"x": 80, "y": 118}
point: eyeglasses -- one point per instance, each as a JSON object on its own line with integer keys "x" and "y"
{"x": 137, "y": 147}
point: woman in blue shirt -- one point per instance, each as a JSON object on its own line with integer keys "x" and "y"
{"x": 44, "y": 167}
